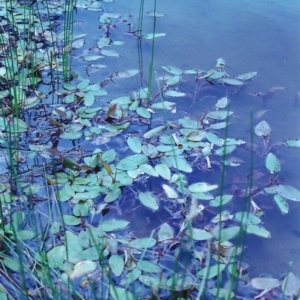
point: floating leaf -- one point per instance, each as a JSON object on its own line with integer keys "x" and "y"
{"x": 71, "y": 135}
{"x": 118, "y": 293}
{"x": 113, "y": 225}
{"x": 272, "y": 163}
{"x": 199, "y": 234}
{"x": 246, "y": 76}
{"x": 83, "y": 268}
{"x": 173, "y": 80}
{"x": 172, "y": 70}
{"x": 165, "y": 232}
{"x": 263, "y": 283}
{"x": 222, "y": 103}
{"x": 116, "y": 264}
{"x": 290, "y": 285}
{"x": 128, "y": 73}
{"x": 211, "y": 271}
{"x": 148, "y": 170}
{"x": 71, "y": 220}
{"x": 219, "y": 115}
{"x": 142, "y": 243}
{"x": 293, "y": 143}
{"x": 170, "y": 192}
{"x": 113, "y": 195}
{"x": 288, "y": 192}
{"x": 131, "y": 277}
{"x": 25, "y": 234}
{"x": 155, "y": 14}
{"x": 202, "y": 187}
{"x": 163, "y": 170}
{"x": 258, "y": 230}
{"x": 112, "y": 53}
{"x": 262, "y": 129}
{"x": 148, "y": 200}
{"x": 134, "y": 144}
{"x": 150, "y": 36}
{"x": 225, "y": 150}
{"x": 92, "y": 57}
{"x": 175, "y": 94}
{"x": 89, "y": 98}
{"x": 155, "y": 131}
{"x": 232, "y": 81}
{"x": 163, "y": 105}
{"x": 181, "y": 164}
{"x": 220, "y": 200}
{"x": 148, "y": 266}
{"x": 281, "y": 204}
{"x": 143, "y": 112}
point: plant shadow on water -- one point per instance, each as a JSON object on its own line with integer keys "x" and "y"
{"x": 142, "y": 177}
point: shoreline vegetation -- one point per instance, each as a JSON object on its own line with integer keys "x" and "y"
{"x": 79, "y": 166}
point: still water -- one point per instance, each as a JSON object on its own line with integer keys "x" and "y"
{"x": 262, "y": 36}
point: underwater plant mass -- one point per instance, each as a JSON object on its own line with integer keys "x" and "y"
{"x": 129, "y": 182}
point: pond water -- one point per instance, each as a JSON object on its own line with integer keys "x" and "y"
{"x": 260, "y": 36}
{"x": 251, "y": 36}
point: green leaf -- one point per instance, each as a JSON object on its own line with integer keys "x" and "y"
{"x": 222, "y": 103}
{"x": 25, "y": 234}
{"x": 211, "y": 271}
{"x": 173, "y": 80}
{"x": 118, "y": 293}
{"x": 225, "y": 150}
{"x": 148, "y": 200}
{"x": 142, "y": 243}
{"x": 202, "y": 187}
{"x": 83, "y": 268}
{"x": 71, "y": 135}
{"x": 150, "y": 36}
{"x": 113, "y": 195}
{"x": 171, "y": 93}
{"x": 181, "y": 164}
{"x": 131, "y": 277}
{"x": 293, "y": 143}
{"x": 71, "y": 220}
{"x": 262, "y": 129}
{"x": 143, "y": 112}
{"x": 246, "y": 76}
{"x": 288, "y": 192}
{"x": 148, "y": 170}
{"x": 170, "y": 192}
{"x": 258, "y": 230}
{"x": 148, "y": 266}
{"x": 199, "y": 234}
{"x": 272, "y": 163}
{"x": 226, "y": 234}
{"x": 173, "y": 70}
{"x": 220, "y": 200}
{"x": 281, "y": 204}
{"x": 155, "y": 131}
{"x": 134, "y": 144}
{"x": 116, "y": 264}
{"x": 290, "y": 285}
{"x": 232, "y": 81}
{"x": 163, "y": 170}
{"x": 219, "y": 115}
{"x": 165, "y": 232}
{"x": 151, "y": 281}
{"x": 89, "y": 99}
{"x": 113, "y": 225}
{"x": 264, "y": 283}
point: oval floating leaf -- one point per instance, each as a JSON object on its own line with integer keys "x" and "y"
{"x": 142, "y": 243}
{"x": 152, "y": 132}
{"x": 202, "y": 187}
{"x": 175, "y": 94}
{"x": 262, "y": 129}
{"x": 281, "y": 204}
{"x": 116, "y": 264}
{"x": 148, "y": 200}
{"x": 263, "y": 283}
{"x": 246, "y": 76}
{"x": 134, "y": 144}
{"x": 272, "y": 163}
{"x": 163, "y": 170}
{"x": 219, "y": 115}
{"x": 288, "y": 192}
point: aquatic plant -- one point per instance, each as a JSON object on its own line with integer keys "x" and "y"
{"x": 82, "y": 171}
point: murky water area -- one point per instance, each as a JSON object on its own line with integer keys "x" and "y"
{"x": 260, "y": 36}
